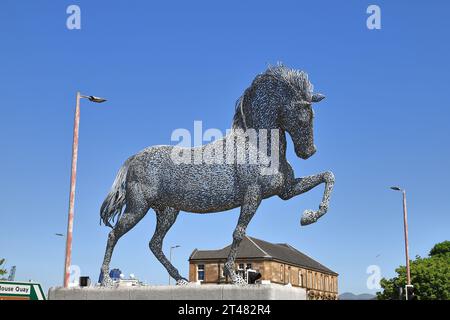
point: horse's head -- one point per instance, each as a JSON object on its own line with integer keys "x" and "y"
{"x": 297, "y": 118}
{"x": 280, "y": 98}
{"x": 296, "y": 112}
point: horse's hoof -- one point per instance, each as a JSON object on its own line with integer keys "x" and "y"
{"x": 308, "y": 217}
{"x": 107, "y": 282}
{"x": 238, "y": 281}
{"x": 182, "y": 282}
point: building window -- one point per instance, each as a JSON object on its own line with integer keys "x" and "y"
{"x": 315, "y": 281}
{"x": 322, "y": 282}
{"x": 289, "y": 275}
{"x": 300, "y": 278}
{"x": 319, "y": 282}
{"x": 200, "y": 272}
{"x": 282, "y": 273}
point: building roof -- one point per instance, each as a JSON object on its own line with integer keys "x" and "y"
{"x": 251, "y": 248}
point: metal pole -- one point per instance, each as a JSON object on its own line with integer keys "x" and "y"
{"x": 73, "y": 178}
{"x": 170, "y": 260}
{"x": 170, "y": 256}
{"x": 405, "y": 224}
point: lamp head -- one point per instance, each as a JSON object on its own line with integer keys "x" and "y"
{"x": 96, "y": 99}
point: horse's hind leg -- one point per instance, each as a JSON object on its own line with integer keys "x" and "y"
{"x": 134, "y": 212}
{"x": 164, "y": 220}
{"x": 252, "y": 199}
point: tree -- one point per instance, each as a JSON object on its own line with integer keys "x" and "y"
{"x": 440, "y": 248}
{"x": 2, "y": 271}
{"x": 430, "y": 276}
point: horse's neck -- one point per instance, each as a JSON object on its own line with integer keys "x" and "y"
{"x": 273, "y": 135}
{"x": 261, "y": 122}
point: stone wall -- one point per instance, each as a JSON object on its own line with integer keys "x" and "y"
{"x": 191, "y": 292}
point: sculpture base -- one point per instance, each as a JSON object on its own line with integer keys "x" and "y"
{"x": 191, "y": 292}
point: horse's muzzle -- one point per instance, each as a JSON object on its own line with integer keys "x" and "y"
{"x": 305, "y": 154}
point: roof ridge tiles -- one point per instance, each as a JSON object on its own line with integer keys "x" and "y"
{"x": 256, "y": 245}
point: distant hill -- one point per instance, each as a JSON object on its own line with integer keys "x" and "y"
{"x": 351, "y": 296}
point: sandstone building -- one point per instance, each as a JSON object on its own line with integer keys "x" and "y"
{"x": 277, "y": 263}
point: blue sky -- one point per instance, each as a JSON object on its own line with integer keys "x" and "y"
{"x": 164, "y": 65}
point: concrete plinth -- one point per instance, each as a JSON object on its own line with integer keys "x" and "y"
{"x": 191, "y": 292}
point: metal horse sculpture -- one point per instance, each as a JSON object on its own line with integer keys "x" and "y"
{"x": 279, "y": 99}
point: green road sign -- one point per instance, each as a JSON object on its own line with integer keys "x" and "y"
{"x": 11, "y": 290}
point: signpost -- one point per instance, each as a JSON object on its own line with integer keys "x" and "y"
{"x": 10, "y": 290}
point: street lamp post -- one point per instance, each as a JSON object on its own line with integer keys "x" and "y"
{"x": 405, "y": 229}
{"x": 170, "y": 257}
{"x": 73, "y": 178}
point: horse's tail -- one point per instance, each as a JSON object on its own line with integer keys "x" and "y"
{"x": 115, "y": 200}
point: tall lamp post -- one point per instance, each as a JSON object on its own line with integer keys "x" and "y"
{"x": 73, "y": 178}
{"x": 405, "y": 229}
{"x": 170, "y": 257}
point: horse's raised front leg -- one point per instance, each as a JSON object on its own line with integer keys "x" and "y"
{"x": 252, "y": 199}
{"x": 304, "y": 184}
{"x": 164, "y": 220}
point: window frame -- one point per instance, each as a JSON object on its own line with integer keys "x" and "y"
{"x": 300, "y": 278}
{"x": 201, "y": 270}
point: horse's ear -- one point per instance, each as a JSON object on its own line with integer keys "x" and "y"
{"x": 317, "y": 97}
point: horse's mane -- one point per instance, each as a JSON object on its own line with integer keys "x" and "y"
{"x": 296, "y": 79}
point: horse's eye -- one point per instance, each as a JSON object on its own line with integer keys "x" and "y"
{"x": 303, "y": 104}
{"x": 303, "y": 116}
